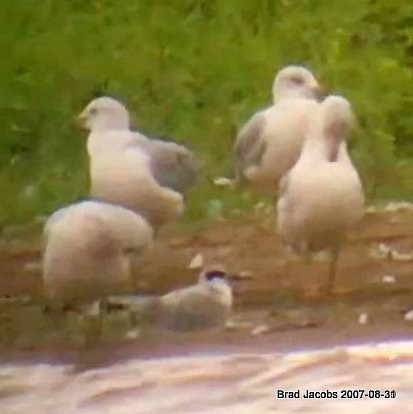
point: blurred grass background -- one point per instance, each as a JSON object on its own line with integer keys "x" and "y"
{"x": 193, "y": 70}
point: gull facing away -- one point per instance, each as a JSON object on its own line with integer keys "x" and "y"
{"x": 270, "y": 142}
{"x": 127, "y": 168}
{"x": 88, "y": 251}
{"x": 322, "y": 196}
{"x": 204, "y": 305}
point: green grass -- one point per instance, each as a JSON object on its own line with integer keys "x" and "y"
{"x": 194, "y": 71}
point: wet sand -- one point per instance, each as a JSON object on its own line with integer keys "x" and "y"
{"x": 282, "y": 294}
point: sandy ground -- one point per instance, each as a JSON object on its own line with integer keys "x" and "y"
{"x": 374, "y": 279}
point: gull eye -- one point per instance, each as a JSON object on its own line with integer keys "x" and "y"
{"x": 93, "y": 111}
{"x": 297, "y": 80}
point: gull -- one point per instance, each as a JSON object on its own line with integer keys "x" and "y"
{"x": 321, "y": 197}
{"x": 88, "y": 250}
{"x": 269, "y": 144}
{"x": 127, "y": 168}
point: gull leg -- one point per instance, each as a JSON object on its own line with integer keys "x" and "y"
{"x": 332, "y": 270}
{"x": 90, "y": 322}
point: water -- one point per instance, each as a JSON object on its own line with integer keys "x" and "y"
{"x": 215, "y": 383}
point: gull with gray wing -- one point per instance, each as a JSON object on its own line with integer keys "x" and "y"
{"x": 130, "y": 169}
{"x": 270, "y": 142}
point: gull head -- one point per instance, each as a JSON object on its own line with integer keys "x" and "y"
{"x": 296, "y": 82}
{"x": 336, "y": 121}
{"x": 104, "y": 113}
{"x": 337, "y": 117}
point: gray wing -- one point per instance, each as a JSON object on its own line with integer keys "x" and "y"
{"x": 172, "y": 165}
{"x": 249, "y": 146}
{"x": 186, "y": 309}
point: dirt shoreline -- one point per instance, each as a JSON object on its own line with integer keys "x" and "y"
{"x": 281, "y": 294}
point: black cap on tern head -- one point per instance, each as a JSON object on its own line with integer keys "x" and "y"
{"x": 215, "y": 274}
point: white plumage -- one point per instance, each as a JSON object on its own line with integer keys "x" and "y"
{"x": 270, "y": 142}
{"x": 322, "y": 196}
{"x": 88, "y": 247}
{"x": 127, "y": 168}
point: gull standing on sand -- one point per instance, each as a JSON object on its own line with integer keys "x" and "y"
{"x": 88, "y": 250}
{"x": 129, "y": 169}
{"x": 322, "y": 196}
{"x": 270, "y": 142}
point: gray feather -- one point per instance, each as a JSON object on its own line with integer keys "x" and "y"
{"x": 249, "y": 146}
{"x": 172, "y": 165}
{"x": 189, "y": 309}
